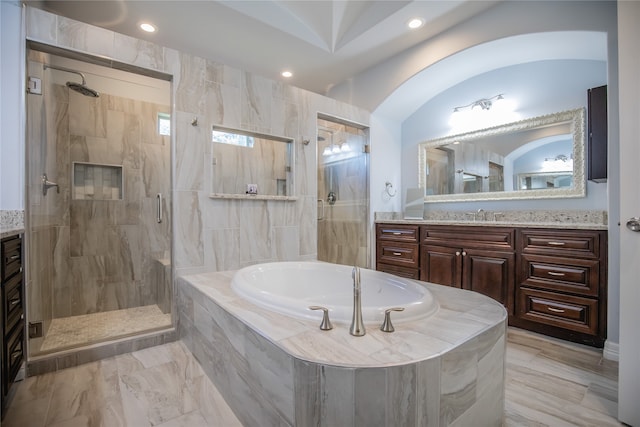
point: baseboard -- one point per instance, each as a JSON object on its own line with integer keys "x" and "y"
{"x": 611, "y": 351}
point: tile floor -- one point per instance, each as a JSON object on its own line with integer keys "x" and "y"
{"x": 549, "y": 383}
{"x": 69, "y": 332}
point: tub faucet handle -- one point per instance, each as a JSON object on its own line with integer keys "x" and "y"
{"x": 386, "y": 325}
{"x": 325, "y": 325}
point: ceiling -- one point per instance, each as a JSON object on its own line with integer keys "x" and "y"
{"x": 323, "y": 42}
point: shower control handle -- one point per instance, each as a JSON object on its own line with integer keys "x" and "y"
{"x": 46, "y": 185}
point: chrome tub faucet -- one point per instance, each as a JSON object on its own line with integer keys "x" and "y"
{"x": 357, "y": 325}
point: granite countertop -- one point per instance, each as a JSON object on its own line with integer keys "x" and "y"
{"x": 471, "y": 223}
{"x": 581, "y": 220}
{"x": 9, "y": 232}
{"x": 461, "y": 316}
{"x": 11, "y": 223}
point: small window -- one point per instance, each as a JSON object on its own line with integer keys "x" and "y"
{"x": 232, "y": 139}
{"x": 164, "y": 124}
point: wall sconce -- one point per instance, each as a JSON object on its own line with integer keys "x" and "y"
{"x": 484, "y": 103}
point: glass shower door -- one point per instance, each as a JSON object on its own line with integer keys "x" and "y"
{"x": 343, "y": 201}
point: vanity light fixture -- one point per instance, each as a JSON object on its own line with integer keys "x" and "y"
{"x": 286, "y": 74}
{"x": 483, "y": 104}
{"x": 149, "y": 28}
{"x": 559, "y": 163}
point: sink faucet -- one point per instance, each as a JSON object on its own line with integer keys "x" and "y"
{"x": 357, "y": 325}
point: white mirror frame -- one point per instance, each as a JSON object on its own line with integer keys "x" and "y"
{"x": 576, "y": 117}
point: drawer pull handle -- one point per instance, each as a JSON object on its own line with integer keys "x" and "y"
{"x": 16, "y": 354}
{"x": 14, "y": 257}
{"x": 553, "y": 273}
{"x": 555, "y": 310}
{"x": 397, "y": 253}
{"x": 14, "y": 301}
{"x": 556, "y": 243}
{"x": 396, "y": 233}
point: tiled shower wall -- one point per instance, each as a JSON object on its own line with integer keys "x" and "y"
{"x": 219, "y": 234}
{"x": 94, "y": 255}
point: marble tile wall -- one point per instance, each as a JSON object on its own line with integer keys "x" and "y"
{"x": 86, "y": 254}
{"x": 214, "y": 234}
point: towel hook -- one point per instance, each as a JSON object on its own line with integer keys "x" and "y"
{"x": 389, "y": 188}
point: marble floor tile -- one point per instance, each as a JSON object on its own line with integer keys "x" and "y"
{"x": 549, "y": 384}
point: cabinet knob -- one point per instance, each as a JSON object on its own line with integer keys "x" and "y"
{"x": 464, "y": 253}
{"x": 457, "y": 253}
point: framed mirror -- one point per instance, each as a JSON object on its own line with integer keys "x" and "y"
{"x": 541, "y": 157}
{"x": 251, "y": 163}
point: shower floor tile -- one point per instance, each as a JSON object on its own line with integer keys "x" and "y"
{"x": 69, "y": 332}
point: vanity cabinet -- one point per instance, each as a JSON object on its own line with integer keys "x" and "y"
{"x": 397, "y": 249}
{"x": 561, "y": 283}
{"x": 551, "y": 281}
{"x": 12, "y": 311}
{"x": 479, "y": 259}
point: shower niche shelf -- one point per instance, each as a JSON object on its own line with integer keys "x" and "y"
{"x": 92, "y": 181}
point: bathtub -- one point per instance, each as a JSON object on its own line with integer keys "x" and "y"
{"x": 289, "y": 288}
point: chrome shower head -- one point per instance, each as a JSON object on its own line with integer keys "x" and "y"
{"x": 78, "y": 87}
{"x": 84, "y": 90}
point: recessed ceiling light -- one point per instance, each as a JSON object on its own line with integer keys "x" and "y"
{"x": 287, "y": 74}
{"x": 145, "y": 26}
{"x": 415, "y": 23}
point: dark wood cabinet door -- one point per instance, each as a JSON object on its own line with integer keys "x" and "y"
{"x": 490, "y": 273}
{"x": 441, "y": 265}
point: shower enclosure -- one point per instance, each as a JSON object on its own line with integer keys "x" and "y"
{"x": 98, "y": 203}
{"x": 343, "y": 193}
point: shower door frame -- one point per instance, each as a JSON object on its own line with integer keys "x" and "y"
{"x": 367, "y": 157}
{"x": 113, "y": 345}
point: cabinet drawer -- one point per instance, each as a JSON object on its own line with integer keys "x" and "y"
{"x": 398, "y": 253}
{"x": 397, "y": 233}
{"x": 565, "y": 243}
{"x": 13, "y": 356}
{"x": 564, "y": 311}
{"x": 11, "y": 257}
{"x": 409, "y": 273}
{"x": 469, "y": 237}
{"x": 579, "y": 276}
{"x": 13, "y": 304}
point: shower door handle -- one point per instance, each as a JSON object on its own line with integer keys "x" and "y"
{"x": 159, "y": 208}
{"x": 321, "y": 217}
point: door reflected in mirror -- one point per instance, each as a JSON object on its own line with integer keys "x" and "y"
{"x": 542, "y": 157}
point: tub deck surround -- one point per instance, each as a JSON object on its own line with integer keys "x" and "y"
{"x": 273, "y": 369}
{"x": 580, "y": 220}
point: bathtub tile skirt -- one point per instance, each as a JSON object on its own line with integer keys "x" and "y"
{"x": 266, "y": 386}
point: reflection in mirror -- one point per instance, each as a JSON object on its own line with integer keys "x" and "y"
{"x": 251, "y": 163}
{"x": 542, "y": 157}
